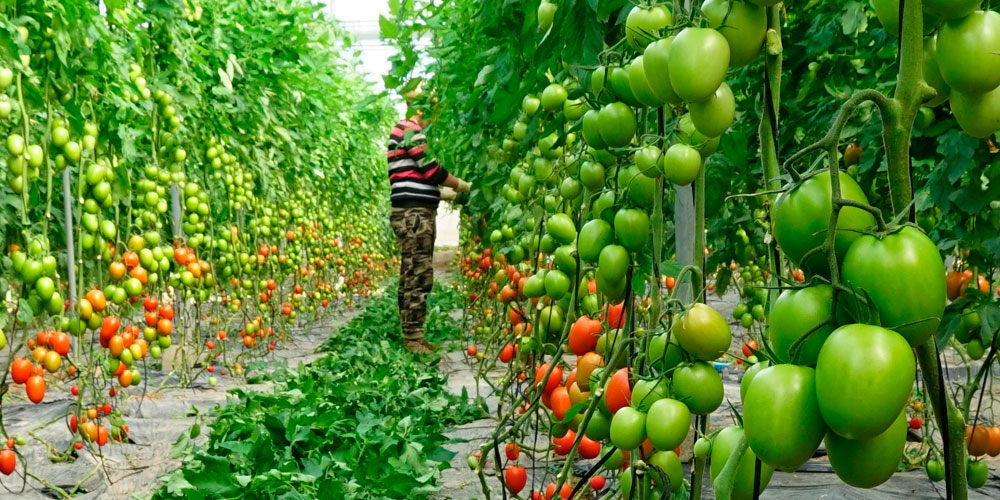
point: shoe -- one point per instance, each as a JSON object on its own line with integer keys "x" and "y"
{"x": 419, "y": 346}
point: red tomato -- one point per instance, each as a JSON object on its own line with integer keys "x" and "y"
{"x": 559, "y": 399}
{"x": 515, "y": 477}
{"x": 507, "y": 353}
{"x": 35, "y": 387}
{"x": 8, "y": 461}
{"x": 554, "y": 378}
{"x": 619, "y": 393}
{"x": 597, "y": 483}
{"x": 20, "y": 370}
{"x": 564, "y": 444}
{"x": 616, "y": 315}
{"x": 512, "y": 450}
{"x": 583, "y": 335}
{"x": 589, "y": 448}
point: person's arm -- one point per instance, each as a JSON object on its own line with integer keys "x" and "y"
{"x": 457, "y": 184}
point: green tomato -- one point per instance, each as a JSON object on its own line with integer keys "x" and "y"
{"x": 565, "y": 259}
{"x": 640, "y": 86}
{"x": 743, "y": 24}
{"x": 594, "y": 236}
{"x": 749, "y": 375}
{"x": 702, "y": 332}
{"x": 663, "y": 355}
{"x": 714, "y": 115}
{"x": 699, "y": 59}
{"x": 616, "y": 124}
{"x": 723, "y": 446}
{"x": 886, "y": 270}
{"x": 950, "y": 9}
{"x": 868, "y": 463}
{"x": 592, "y": 174}
{"x": 570, "y": 188}
{"x": 967, "y": 48}
{"x": 643, "y": 25}
{"x": 618, "y": 79}
{"x": 698, "y": 386}
{"x": 932, "y": 72}
{"x": 977, "y": 114}
{"x": 615, "y": 461}
{"x": 632, "y": 228}
{"x": 781, "y": 416}
{"x": 702, "y": 447}
{"x": 599, "y": 427}
{"x": 670, "y": 469}
{"x": 935, "y": 470}
{"x": 648, "y": 161}
{"x": 801, "y": 218}
{"x": 667, "y": 423}
{"x": 975, "y": 349}
{"x": 795, "y": 313}
{"x": 647, "y": 392}
{"x": 977, "y": 473}
{"x": 641, "y": 189}
{"x": 613, "y": 263}
{"x": 556, "y": 284}
{"x": 681, "y": 164}
{"x": 864, "y": 375}
{"x": 628, "y": 428}
{"x": 561, "y": 228}
{"x": 551, "y": 318}
{"x": 553, "y": 97}
{"x": 546, "y": 14}
{"x": 655, "y": 65}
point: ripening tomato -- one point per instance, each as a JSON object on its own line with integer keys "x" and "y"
{"x": 703, "y": 332}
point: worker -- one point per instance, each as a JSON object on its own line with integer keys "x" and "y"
{"x": 417, "y": 184}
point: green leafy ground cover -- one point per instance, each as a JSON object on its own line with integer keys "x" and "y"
{"x": 366, "y": 420}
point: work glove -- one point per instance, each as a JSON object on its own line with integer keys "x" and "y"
{"x": 463, "y": 186}
{"x": 447, "y": 193}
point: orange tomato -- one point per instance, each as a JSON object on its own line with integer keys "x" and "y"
{"x": 116, "y": 270}
{"x": 116, "y": 345}
{"x": 977, "y": 437}
{"x": 97, "y": 300}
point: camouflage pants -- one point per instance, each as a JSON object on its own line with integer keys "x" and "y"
{"x": 415, "y": 232}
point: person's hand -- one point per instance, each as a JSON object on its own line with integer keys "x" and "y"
{"x": 463, "y": 186}
{"x": 448, "y": 194}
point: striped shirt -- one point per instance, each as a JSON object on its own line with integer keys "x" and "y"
{"x": 413, "y": 176}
